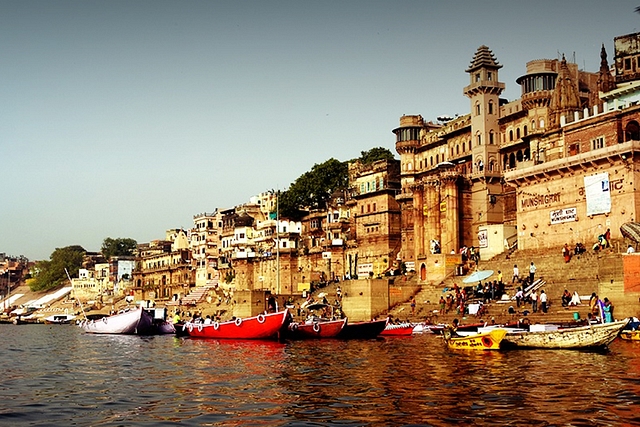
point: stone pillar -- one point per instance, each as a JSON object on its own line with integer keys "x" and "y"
{"x": 418, "y": 219}
{"x": 432, "y": 212}
{"x": 450, "y": 216}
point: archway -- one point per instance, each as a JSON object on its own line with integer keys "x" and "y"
{"x": 423, "y": 272}
{"x": 632, "y": 131}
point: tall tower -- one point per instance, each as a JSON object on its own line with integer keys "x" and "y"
{"x": 484, "y": 93}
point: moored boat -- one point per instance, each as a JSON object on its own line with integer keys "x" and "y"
{"x": 315, "y": 328}
{"x": 397, "y": 330}
{"x": 363, "y": 330}
{"x": 59, "y": 319}
{"x": 489, "y": 340}
{"x": 132, "y": 322}
{"x": 628, "y": 335}
{"x": 582, "y": 337}
{"x": 262, "y": 326}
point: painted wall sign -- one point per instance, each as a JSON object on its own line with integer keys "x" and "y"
{"x": 563, "y": 215}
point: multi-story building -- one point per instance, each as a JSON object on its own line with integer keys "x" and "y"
{"x": 375, "y": 217}
{"x": 206, "y": 247}
{"x": 555, "y": 166}
{"x": 164, "y": 268}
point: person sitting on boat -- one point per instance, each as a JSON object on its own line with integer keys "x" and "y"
{"x": 176, "y": 317}
{"x": 207, "y": 320}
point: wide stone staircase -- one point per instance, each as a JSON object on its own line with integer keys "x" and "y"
{"x": 584, "y": 274}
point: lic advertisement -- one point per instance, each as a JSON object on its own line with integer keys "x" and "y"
{"x": 596, "y": 188}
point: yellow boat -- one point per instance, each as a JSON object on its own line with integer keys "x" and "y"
{"x": 630, "y": 335}
{"x": 482, "y": 341}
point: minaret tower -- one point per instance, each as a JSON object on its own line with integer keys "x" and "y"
{"x": 484, "y": 92}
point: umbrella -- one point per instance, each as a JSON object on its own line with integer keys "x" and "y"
{"x": 477, "y": 276}
{"x": 631, "y": 230}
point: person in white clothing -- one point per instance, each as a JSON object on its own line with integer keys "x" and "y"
{"x": 534, "y": 301}
{"x": 543, "y": 302}
{"x": 516, "y": 274}
{"x": 630, "y": 249}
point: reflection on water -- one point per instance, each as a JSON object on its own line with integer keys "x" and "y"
{"x": 58, "y": 376}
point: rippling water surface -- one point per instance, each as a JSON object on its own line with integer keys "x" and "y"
{"x": 59, "y": 376}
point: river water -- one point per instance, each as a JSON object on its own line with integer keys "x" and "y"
{"x": 56, "y": 375}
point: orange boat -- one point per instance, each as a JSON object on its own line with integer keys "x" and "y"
{"x": 262, "y": 326}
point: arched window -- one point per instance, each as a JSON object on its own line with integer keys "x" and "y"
{"x": 533, "y": 124}
{"x": 437, "y": 158}
{"x": 527, "y": 154}
{"x": 479, "y": 138}
{"x": 525, "y": 130}
{"x": 632, "y": 131}
{"x": 458, "y": 149}
{"x": 491, "y": 138}
{"x": 511, "y": 135}
{"x": 431, "y": 160}
{"x": 451, "y": 151}
{"x": 505, "y": 162}
{"x": 519, "y": 156}
{"x": 464, "y": 147}
{"x": 517, "y": 133}
{"x": 541, "y": 123}
{"x": 512, "y": 161}
{"x": 492, "y": 165}
{"x": 477, "y": 109}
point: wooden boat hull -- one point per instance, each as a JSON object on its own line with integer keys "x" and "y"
{"x": 59, "y": 319}
{"x": 134, "y": 322}
{"x": 630, "y": 335}
{"x": 363, "y": 330}
{"x": 481, "y": 341}
{"x": 581, "y": 337}
{"x": 262, "y": 326}
{"x": 322, "y": 329}
{"x": 401, "y": 330}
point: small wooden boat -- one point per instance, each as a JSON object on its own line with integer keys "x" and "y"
{"x": 59, "y": 319}
{"x": 261, "y": 326}
{"x": 363, "y": 330}
{"x": 398, "y": 330}
{"x": 132, "y": 322}
{"x": 315, "y": 328}
{"x": 582, "y": 337}
{"x": 489, "y": 340}
{"x": 629, "y": 335}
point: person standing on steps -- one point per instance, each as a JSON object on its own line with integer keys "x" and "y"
{"x": 543, "y": 301}
{"x": 516, "y": 274}
{"x": 532, "y": 272}
{"x": 413, "y": 306}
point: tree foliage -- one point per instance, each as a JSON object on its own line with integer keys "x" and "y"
{"x": 118, "y": 247}
{"x": 313, "y": 189}
{"x": 375, "y": 154}
{"x": 51, "y": 274}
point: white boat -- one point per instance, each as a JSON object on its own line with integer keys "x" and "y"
{"x": 59, "y": 319}
{"x": 133, "y": 322}
{"x": 582, "y": 337}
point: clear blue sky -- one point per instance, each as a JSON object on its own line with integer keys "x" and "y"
{"x": 126, "y": 118}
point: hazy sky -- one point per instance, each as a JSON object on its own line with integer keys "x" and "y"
{"x": 126, "y": 118}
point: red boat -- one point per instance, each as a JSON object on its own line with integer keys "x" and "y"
{"x": 316, "y": 328}
{"x": 401, "y": 329}
{"x": 261, "y": 326}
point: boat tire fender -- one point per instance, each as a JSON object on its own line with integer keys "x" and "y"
{"x": 104, "y": 319}
{"x": 199, "y": 327}
{"x": 260, "y": 318}
{"x": 216, "y": 325}
{"x": 316, "y": 327}
{"x": 238, "y": 321}
{"x": 190, "y": 327}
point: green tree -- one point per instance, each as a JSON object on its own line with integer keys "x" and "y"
{"x": 118, "y": 247}
{"x": 51, "y": 274}
{"x": 375, "y": 154}
{"x": 313, "y": 189}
